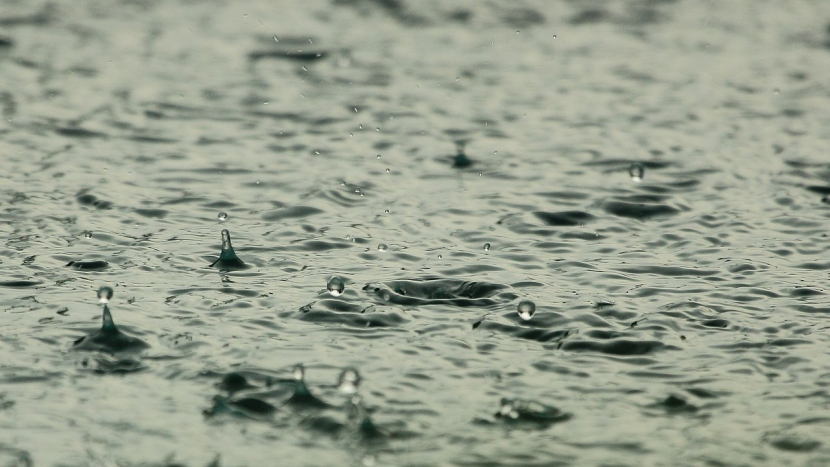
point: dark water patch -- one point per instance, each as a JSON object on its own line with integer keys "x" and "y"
{"x": 152, "y": 213}
{"x": 433, "y": 291}
{"x": 151, "y": 139}
{"x": 106, "y": 364}
{"x": 97, "y": 265}
{"x": 638, "y": 210}
{"x": 244, "y": 407}
{"x": 291, "y": 55}
{"x": 395, "y": 9}
{"x": 19, "y": 284}
{"x": 522, "y": 17}
{"x": 109, "y": 339}
{"x": 803, "y": 292}
{"x": 364, "y": 319}
{"x": 794, "y": 443}
{"x": 520, "y": 332}
{"x": 84, "y": 198}
{"x": 41, "y": 18}
{"x": 74, "y": 132}
{"x": 565, "y": 195}
{"x": 617, "y": 347}
{"x": 564, "y": 218}
{"x": 6, "y": 42}
{"x": 590, "y": 16}
{"x": 675, "y": 405}
{"x": 294, "y": 212}
{"x": 812, "y": 265}
{"x": 319, "y": 245}
{"x": 670, "y": 271}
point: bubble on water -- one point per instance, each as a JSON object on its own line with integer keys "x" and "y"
{"x": 507, "y": 410}
{"x": 223, "y": 216}
{"x": 336, "y": 286}
{"x": 637, "y": 172}
{"x": 88, "y": 234}
{"x": 526, "y": 309}
{"x": 382, "y": 247}
{"x": 486, "y": 247}
{"x": 348, "y": 381}
{"x": 299, "y": 373}
{"x": 105, "y": 294}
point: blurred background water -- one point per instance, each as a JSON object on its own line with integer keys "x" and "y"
{"x": 652, "y": 175}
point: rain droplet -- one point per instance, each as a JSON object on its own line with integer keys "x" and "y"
{"x": 526, "y": 309}
{"x": 554, "y": 36}
{"x": 486, "y": 247}
{"x": 360, "y": 126}
{"x": 382, "y": 247}
{"x": 88, "y": 234}
{"x": 348, "y": 381}
{"x": 276, "y": 39}
{"x": 378, "y": 156}
{"x": 637, "y": 172}
{"x": 386, "y": 211}
{"x": 104, "y": 294}
{"x": 440, "y": 256}
{"x": 336, "y": 286}
{"x": 299, "y": 373}
{"x": 387, "y": 170}
{"x": 223, "y": 216}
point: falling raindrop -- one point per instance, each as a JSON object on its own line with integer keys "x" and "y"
{"x": 348, "y": 381}
{"x": 382, "y": 247}
{"x": 387, "y": 170}
{"x": 336, "y": 286}
{"x": 88, "y": 234}
{"x": 637, "y": 172}
{"x": 486, "y": 247}
{"x": 526, "y": 309}
{"x": 105, "y": 294}
{"x": 223, "y": 216}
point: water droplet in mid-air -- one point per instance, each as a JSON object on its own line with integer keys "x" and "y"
{"x": 348, "y": 381}
{"x": 637, "y": 171}
{"x": 336, "y": 286}
{"x": 526, "y": 309}
{"x": 299, "y": 373}
{"x": 88, "y": 234}
{"x": 382, "y": 247}
{"x": 105, "y": 294}
{"x": 486, "y": 247}
{"x": 223, "y": 216}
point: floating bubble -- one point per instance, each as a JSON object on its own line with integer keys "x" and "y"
{"x": 105, "y": 294}
{"x": 223, "y": 216}
{"x": 486, "y": 247}
{"x": 526, "y": 309}
{"x": 637, "y": 172}
{"x": 348, "y": 381}
{"x": 382, "y": 247}
{"x": 336, "y": 286}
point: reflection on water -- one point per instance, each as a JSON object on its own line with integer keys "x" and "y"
{"x": 609, "y": 216}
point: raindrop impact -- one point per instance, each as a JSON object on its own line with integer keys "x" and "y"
{"x": 526, "y": 309}
{"x": 336, "y": 286}
{"x": 105, "y": 294}
{"x": 223, "y": 216}
{"x": 348, "y": 381}
{"x": 486, "y": 247}
{"x": 382, "y": 247}
{"x": 637, "y": 172}
{"x": 227, "y": 258}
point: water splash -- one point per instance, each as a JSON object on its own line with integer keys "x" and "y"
{"x": 302, "y": 397}
{"x": 336, "y": 286}
{"x": 637, "y": 172}
{"x": 109, "y": 338}
{"x": 227, "y": 258}
{"x": 526, "y": 309}
{"x": 461, "y": 161}
{"x": 348, "y": 381}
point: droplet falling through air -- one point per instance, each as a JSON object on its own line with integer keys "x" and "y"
{"x": 382, "y": 247}
{"x": 486, "y": 247}
{"x": 335, "y": 286}
{"x": 637, "y": 172}
{"x": 526, "y": 309}
{"x": 223, "y": 216}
